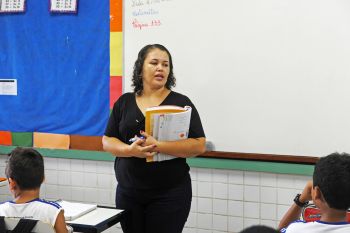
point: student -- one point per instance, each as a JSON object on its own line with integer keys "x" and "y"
{"x": 329, "y": 191}
{"x": 259, "y": 229}
{"x": 157, "y": 195}
{"x": 25, "y": 173}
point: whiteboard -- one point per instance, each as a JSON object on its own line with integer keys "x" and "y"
{"x": 267, "y": 76}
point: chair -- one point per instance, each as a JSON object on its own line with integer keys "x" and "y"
{"x": 311, "y": 213}
{"x": 16, "y": 225}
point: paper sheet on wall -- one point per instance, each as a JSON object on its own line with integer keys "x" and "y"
{"x": 51, "y": 141}
{"x": 8, "y": 87}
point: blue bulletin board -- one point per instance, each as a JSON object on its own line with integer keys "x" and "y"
{"x": 61, "y": 65}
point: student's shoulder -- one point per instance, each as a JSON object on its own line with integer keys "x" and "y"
{"x": 3, "y": 207}
{"x": 4, "y": 204}
{"x": 47, "y": 203}
{"x": 299, "y": 226}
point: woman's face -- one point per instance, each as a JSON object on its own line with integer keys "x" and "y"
{"x": 155, "y": 70}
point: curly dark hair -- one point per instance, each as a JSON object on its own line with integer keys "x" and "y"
{"x": 332, "y": 176}
{"x": 137, "y": 73}
{"x": 26, "y": 167}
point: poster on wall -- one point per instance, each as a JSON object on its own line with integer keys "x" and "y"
{"x": 12, "y": 6}
{"x": 54, "y": 71}
{"x": 64, "y": 6}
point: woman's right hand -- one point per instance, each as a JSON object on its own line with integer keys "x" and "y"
{"x": 138, "y": 150}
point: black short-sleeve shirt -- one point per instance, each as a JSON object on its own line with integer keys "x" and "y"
{"x": 126, "y": 121}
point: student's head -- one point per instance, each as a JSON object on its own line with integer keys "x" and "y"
{"x": 332, "y": 177}
{"x": 25, "y": 168}
{"x": 259, "y": 229}
{"x": 141, "y": 68}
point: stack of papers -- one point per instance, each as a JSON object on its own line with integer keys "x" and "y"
{"x": 73, "y": 210}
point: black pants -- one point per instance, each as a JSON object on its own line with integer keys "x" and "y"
{"x": 155, "y": 211}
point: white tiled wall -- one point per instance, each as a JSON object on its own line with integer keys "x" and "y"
{"x": 223, "y": 200}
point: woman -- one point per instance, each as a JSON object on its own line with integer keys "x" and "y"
{"x": 156, "y": 195}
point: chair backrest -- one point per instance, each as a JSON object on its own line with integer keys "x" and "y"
{"x": 40, "y": 227}
{"x": 311, "y": 213}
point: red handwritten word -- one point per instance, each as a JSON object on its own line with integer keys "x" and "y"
{"x": 138, "y": 25}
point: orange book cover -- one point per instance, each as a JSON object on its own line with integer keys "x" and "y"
{"x": 163, "y": 109}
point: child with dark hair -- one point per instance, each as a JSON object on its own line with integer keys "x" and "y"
{"x": 25, "y": 173}
{"x": 259, "y": 229}
{"x": 329, "y": 191}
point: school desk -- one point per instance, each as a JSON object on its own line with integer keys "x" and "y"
{"x": 97, "y": 220}
{"x": 3, "y": 181}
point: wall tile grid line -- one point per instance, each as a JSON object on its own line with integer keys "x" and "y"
{"x": 223, "y": 200}
{"x": 238, "y": 199}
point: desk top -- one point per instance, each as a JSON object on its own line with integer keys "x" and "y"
{"x": 3, "y": 181}
{"x": 96, "y": 216}
{"x": 97, "y": 220}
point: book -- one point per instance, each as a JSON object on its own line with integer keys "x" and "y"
{"x": 73, "y": 210}
{"x": 167, "y": 123}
